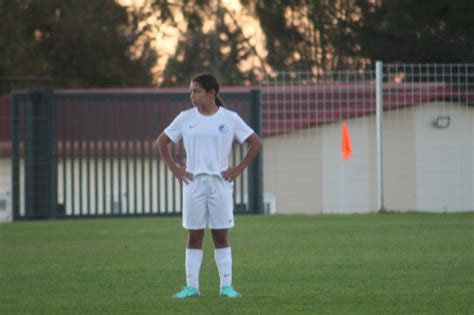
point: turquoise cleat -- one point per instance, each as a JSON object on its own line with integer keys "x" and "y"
{"x": 186, "y": 292}
{"x": 229, "y": 292}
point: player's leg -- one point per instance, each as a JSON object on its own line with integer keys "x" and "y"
{"x": 223, "y": 256}
{"x": 220, "y": 238}
{"x": 221, "y": 218}
{"x": 194, "y": 220}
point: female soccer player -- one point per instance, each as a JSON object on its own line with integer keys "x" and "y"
{"x": 208, "y": 131}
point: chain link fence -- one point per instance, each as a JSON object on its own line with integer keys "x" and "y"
{"x": 412, "y": 135}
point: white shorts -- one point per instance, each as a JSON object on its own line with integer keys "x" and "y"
{"x": 208, "y": 203}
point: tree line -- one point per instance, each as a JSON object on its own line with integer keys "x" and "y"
{"x": 83, "y": 43}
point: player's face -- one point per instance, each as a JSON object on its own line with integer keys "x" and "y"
{"x": 198, "y": 95}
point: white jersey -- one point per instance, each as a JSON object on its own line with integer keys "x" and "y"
{"x": 208, "y": 139}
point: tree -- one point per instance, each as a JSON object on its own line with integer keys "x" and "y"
{"x": 321, "y": 35}
{"x": 77, "y": 43}
{"x": 300, "y": 34}
{"x": 218, "y": 51}
{"x": 210, "y": 39}
{"x": 411, "y": 31}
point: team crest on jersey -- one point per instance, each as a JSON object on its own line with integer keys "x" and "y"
{"x": 223, "y": 128}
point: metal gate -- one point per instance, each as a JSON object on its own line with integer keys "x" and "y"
{"x": 91, "y": 153}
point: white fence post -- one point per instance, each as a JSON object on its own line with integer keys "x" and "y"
{"x": 379, "y": 120}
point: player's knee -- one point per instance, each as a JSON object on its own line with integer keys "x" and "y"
{"x": 220, "y": 238}
{"x": 195, "y": 239}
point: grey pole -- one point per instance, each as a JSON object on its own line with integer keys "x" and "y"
{"x": 379, "y": 126}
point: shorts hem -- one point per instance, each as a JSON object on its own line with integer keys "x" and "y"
{"x": 224, "y": 227}
{"x": 194, "y": 227}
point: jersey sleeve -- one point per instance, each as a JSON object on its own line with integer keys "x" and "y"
{"x": 174, "y": 131}
{"x": 242, "y": 131}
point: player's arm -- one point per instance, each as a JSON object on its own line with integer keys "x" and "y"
{"x": 254, "y": 147}
{"x": 163, "y": 142}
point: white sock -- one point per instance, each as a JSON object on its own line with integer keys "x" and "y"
{"x": 193, "y": 266}
{"x": 223, "y": 258}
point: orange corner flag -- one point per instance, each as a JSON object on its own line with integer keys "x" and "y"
{"x": 346, "y": 142}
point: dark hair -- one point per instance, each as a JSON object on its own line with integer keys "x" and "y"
{"x": 208, "y": 83}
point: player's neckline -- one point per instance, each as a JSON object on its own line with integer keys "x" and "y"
{"x": 211, "y": 115}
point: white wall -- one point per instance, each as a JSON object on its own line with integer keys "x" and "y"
{"x": 292, "y": 171}
{"x": 5, "y": 175}
{"x": 5, "y": 190}
{"x": 346, "y": 184}
{"x": 425, "y": 169}
{"x": 399, "y": 160}
{"x": 444, "y": 159}
{"x": 306, "y": 172}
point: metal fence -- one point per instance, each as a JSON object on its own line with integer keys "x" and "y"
{"x": 428, "y": 137}
{"x": 86, "y": 153}
{"x": 411, "y": 125}
{"x": 7, "y": 86}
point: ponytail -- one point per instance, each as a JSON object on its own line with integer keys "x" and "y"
{"x": 219, "y": 101}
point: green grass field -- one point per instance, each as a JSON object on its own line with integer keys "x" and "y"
{"x": 353, "y": 264}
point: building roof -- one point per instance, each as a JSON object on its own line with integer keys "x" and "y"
{"x": 133, "y": 115}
